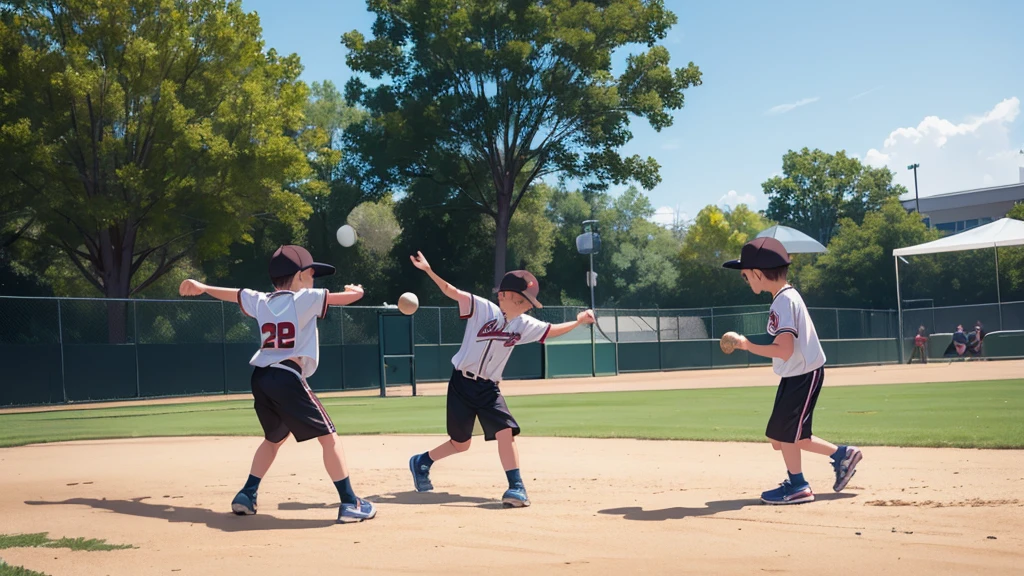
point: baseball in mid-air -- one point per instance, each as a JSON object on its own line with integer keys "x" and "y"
{"x": 346, "y": 236}
{"x": 408, "y": 303}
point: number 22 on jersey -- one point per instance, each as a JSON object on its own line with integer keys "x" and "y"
{"x": 281, "y": 335}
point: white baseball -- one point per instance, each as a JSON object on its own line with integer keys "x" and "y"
{"x": 346, "y": 235}
{"x": 408, "y": 303}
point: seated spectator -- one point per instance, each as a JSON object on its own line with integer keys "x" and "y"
{"x": 960, "y": 340}
{"x": 920, "y": 346}
{"x": 974, "y": 341}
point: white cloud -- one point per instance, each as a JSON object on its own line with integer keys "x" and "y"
{"x": 667, "y": 216}
{"x": 672, "y": 144}
{"x": 783, "y": 108}
{"x": 954, "y": 156}
{"x": 865, "y": 93}
{"x": 733, "y": 199}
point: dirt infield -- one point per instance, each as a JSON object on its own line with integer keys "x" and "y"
{"x": 935, "y": 371}
{"x": 600, "y": 506}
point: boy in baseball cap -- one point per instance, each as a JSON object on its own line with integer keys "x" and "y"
{"x": 798, "y": 358}
{"x": 288, "y": 354}
{"x": 491, "y": 333}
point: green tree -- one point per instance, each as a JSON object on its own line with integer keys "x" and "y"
{"x": 141, "y": 132}
{"x": 858, "y": 269}
{"x": 637, "y": 262}
{"x": 817, "y": 190}
{"x": 714, "y": 237}
{"x": 489, "y": 96}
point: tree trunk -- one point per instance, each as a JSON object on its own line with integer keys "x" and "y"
{"x": 116, "y": 257}
{"x": 117, "y": 322}
{"x": 501, "y": 222}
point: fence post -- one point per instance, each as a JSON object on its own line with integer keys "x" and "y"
{"x": 135, "y": 344}
{"x": 657, "y": 327}
{"x": 712, "y": 335}
{"x": 224, "y": 346}
{"x": 341, "y": 320}
{"x": 60, "y": 341}
{"x": 837, "y": 323}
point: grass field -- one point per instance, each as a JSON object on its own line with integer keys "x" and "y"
{"x": 968, "y": 414}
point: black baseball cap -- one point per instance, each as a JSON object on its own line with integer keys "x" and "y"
{"x": 760, "y": 254}
{"x": 521, "y": 282}
{"x": 289, "y": 260}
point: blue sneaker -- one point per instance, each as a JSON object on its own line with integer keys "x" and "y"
{"x": 358, "y": 512}
{"x": 786, "y": 493}
{"x": 244, "y": 504}
{"x": 515, "y": 498}
{"x": 846, "y": 467}
{"x": 420, "y": 475}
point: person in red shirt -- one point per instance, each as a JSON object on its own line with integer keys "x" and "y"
{"x": 920, "y": 346}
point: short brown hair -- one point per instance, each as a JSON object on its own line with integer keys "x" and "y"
{"x": 775, "y": 274}
{"x": 282, "y": 282}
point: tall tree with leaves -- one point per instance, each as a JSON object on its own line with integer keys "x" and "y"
{"x": 488, "y": 96}
{"x": 858, "y": 272}
{"x": 716, "y": 236}
{"x": 138, "y": 133}
{"x": 817, "y": 190}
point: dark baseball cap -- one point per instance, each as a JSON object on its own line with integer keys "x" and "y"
{"x": 289, "y": 260}
{"x": 521, "y": 282}
{"x": 760, "y": 254}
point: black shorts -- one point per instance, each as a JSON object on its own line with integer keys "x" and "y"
{"x": 469, "y": 399}
{"x": 284, "y": 403}
{"x": 794, "y": 407}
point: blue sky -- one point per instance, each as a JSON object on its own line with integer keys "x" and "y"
{"x": 891, "y": 82}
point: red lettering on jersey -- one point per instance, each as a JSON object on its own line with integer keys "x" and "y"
{"x": 278, "y": 335}
{"x": 490, "y": 331}
{"x": 773, "y": 322}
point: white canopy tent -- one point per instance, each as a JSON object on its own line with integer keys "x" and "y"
{"x": 1001, "y": 233}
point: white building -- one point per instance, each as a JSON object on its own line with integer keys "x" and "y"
{"x": 958, "y": 211}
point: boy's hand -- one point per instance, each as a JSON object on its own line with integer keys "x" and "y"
{"x": 191, "y": 288}
{"x": 357, "y": 288}
{"x": 420, "y": 261}
{"x": 742, "y": 343}
{"x": 585, "y": 317}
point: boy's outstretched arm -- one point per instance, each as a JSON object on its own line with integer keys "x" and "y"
{"x": 781, "y": 347}
{"x": 352, "y": 293}
{"x": 585, "y": 317}
{"x": 463, "y": 298}
{"x": 194, "y": 288}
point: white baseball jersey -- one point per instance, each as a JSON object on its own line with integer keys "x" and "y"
{"x": 287, "y": 322}
{"x": 489, "y": 339}
{"x": 789, "y": 314}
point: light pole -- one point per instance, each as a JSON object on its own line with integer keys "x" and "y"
{"x": 917, "y": 201}
{"x": 588, "y": 244}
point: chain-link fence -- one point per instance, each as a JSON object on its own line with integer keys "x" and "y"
{"x": 944, "y": 320}
{"x": 71, "y": 350}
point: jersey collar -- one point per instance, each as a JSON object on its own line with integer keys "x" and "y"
{"x": 781, "y": 290}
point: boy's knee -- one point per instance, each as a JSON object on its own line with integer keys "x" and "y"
{"x": 461, "y": 446}
{"x": 275, "y": 446}
{"x": 776, "y": 445}
{"x": 327, "y": 440}
{"x": 505, "y": 435}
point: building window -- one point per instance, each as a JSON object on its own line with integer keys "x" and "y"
{"x": 946, "y": 228}
{"x": 927, "y": 222}
{"x": 971, "y": 224}
{"x": 986, "y": 220}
